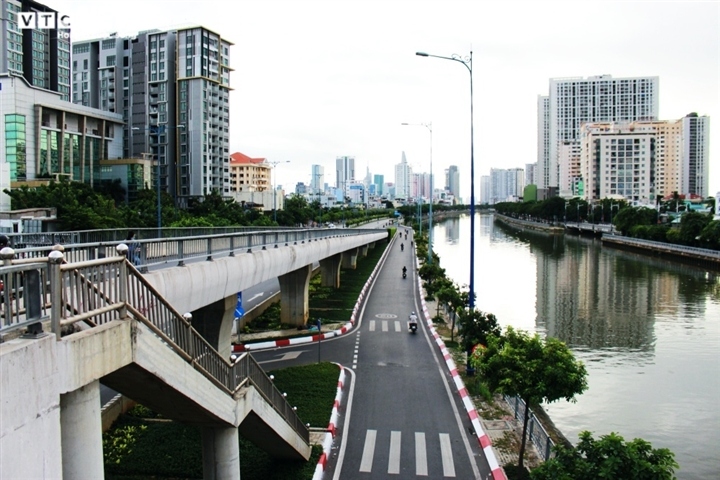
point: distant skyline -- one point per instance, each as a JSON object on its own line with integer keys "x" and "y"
{"x": 314, "y": 80}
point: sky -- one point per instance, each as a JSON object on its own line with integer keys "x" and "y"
{"x": 314, "y": 80}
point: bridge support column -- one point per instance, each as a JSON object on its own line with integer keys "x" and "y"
{"x": 349, "y": 258}
{"x": 81, "y": 433}
{"x": 330, "y": 271}
{"x": 294, "y": 296}
{"x": 214, "y": 322}
{"x": 363, "y": 250}
{"x": 220, "y": 453}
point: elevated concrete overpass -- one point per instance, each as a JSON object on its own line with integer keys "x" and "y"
{"x": 110, "y": 324}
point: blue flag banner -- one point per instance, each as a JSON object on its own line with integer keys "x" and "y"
{"x": 239, "y": 310}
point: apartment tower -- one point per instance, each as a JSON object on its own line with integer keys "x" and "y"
{"x": 574, "y": 101}
{"x": 40, "y": 55}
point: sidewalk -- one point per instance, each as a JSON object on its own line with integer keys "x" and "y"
{"x": 496, "y": 418}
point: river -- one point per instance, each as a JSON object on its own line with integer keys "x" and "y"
{"x": 648, "y": 331}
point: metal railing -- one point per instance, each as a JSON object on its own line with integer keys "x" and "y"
{"x": 149, "y": 253}
{"x": 87, "y": 294}
{"x": 668, "y": 247}
{"x": 536, "y": 432}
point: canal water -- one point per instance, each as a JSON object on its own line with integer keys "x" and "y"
{"x": 648, "y": 331}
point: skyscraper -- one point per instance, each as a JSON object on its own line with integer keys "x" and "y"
{"x": 344, "y": 173}
{"x": 695, "y": 173}
{"x": 452, "y": 181}
{"x": 403, "y": 177}
{"x": 573, "y": 101}
{"x": 156, "y": 79}
{"x": 318, "y": 179}
{"x": 378, "y": 180}
{"x": 40, "y": 55}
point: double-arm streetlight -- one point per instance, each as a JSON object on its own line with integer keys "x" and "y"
{"x": 158, "y": 130}
{"x": 467, "y": 61}
{"x": 275, "y": 164}
{"x": 430, "y": 214}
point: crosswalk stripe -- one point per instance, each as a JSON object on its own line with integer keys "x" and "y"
{"x": 372, "y": 325}
{"x": 421, "y": 467}
{"x": 368, "y": 451}
{"x": 394, "y": 460}
{"x": 384, "y": 325}
{"x": 397, "y": 326}
{"x": 446, "y": 454}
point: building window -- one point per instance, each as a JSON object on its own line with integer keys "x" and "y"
{"x": 15, "y": 146}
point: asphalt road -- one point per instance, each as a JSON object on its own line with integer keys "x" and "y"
{"x": 401, "y": 414}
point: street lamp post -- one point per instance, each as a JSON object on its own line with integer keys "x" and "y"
{"x": 275, "y": 164}
{"x": 430, "y": 213}
{"x": 158, "y": 129}
{"x": 468, "y": 64}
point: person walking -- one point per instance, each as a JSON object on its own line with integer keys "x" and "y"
{"x": 133, "y": 248}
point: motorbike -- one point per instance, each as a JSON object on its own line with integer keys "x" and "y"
{"x": 404, "y": 274}
{"x": 412, "y": 323}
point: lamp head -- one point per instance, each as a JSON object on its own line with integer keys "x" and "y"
{"x": 421, "y": 54}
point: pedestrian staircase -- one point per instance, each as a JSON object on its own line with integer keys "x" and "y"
{"x": 164, "y": 363}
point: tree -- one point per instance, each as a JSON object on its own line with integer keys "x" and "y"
{"x": 477, "y": 328}
{"x": 608, "y": 457}
{"x": 535, "y": 370}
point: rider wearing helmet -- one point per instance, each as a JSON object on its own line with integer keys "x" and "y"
{"x": 413, "y": 318}
{"x": 4, "y": 241}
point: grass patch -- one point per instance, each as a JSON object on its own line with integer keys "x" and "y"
{"x": 141, "y": 446}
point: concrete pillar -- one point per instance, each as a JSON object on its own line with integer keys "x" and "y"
{"x": 215, "y": 321}
{"x": 364, "y": 250}
{"x": 330, "y": 271}
{"x": 294, "y": 288}
{"x": 349, "y": 258}
{"x": 220, "y": 453}
{"x": 81, "y": 433}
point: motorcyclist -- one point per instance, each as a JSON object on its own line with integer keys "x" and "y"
{"x": 404, "y": 271}
{"x": 402, "y": 247}
{"x": 413, "y": 318}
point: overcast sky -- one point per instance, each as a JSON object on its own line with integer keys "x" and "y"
{"x": 314, "y": 80}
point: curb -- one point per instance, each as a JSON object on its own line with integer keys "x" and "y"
{"x": 483, "y": 439}
{"x": 330, "y": 435}
{"x": 316, "y": 338}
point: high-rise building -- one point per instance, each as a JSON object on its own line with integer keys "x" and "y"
{"x": 344, "y": 173}
{"x": 452, "y": 181}
{"x": 506, "y": 185}
{"x": 639, "y": 160}
{"x": 172, "y": 88}
{"x": 403, "y": 176}
{"x": 485, "y": 189}
{"x": 40, "y": 55}
{"x": 318, "y": 179}
{"x": 378, "y": 181}
{"x": 574, "y": 101}
{"x": 530, "y": 172}
{"x": 695, "y": 173}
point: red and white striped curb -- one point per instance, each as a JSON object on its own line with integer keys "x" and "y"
{"x": 332, "y": 428}
{"x": 484, "y": 440}
{"x": 245, "y": 347}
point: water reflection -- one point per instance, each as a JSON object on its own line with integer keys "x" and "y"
{"x": 452, "y": 230}
{"x": 647, "y": 329}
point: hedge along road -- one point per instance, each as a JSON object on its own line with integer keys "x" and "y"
{"x": 402, "y": 415}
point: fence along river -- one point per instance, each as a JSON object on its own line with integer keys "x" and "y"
{"x": 647, "y": 329}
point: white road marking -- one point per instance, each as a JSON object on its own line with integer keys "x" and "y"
{"x": 368, "y": 451}
{"x": 446, "y": 452}
{"x": 384, "y": 325}
{"x": 397, "y": 326}
{"x": 285, "y": 356}
{"x": 372, "y": 325}
{"x": 421, "y": 467}
{"x": 394, "y": 460}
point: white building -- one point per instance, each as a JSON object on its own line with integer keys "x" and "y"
{"x": 403, "y": 178}
{"x": 344, "y": 173}
{"x": 695, "y": 171}
{"x": 574, "y": 101}
{"x": 485, "y": 189}
{"x": 43, "y": 137}
{"x": 506, "y": 185}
